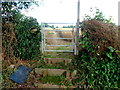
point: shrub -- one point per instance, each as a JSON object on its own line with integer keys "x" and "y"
{"x": 101, "y": 34}
{"x": 13, "y": 20}
{"x": 98, "y": 60}
{"x": 28, "y": 40}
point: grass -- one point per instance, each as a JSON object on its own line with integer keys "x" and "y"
{"x": 59, "y": 65}
{"x": 56, "y": 80}
{"x": 63, "y": 48}
{"x": 51, "y": 33}
{"x": 56, "y": 66}
{"x": 58, "y": 55}
{"x": 49, "y": 56}
{"x": 7, "y": 71}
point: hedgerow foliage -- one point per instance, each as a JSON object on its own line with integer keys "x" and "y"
{"x": 21, "y": 34}
{"x": 98, "y": 62}
{"x": 28, "y": 40}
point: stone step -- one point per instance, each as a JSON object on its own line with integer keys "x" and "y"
{"x": 40, "y": 85}
{"x": 55, "y": 72}
{"x": 57, "y": 60}
{"x": 49, "y": 72}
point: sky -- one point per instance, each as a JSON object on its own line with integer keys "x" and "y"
{"x": 66, "y": 10}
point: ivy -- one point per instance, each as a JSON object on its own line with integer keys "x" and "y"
{"x": 95, "y": 72}
{"x": 98, "y": 63}
{"x": 28, "y": 41}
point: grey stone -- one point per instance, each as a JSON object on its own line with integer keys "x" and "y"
{"x": 40, "y": 70}
{"x": 74, "y": 73}
{"x": 40, "y": 85}
{"x": 55, "y": 72}
{"x": 57, "y": 60}
{"x": 48, "y": 86}
{"x": 68, "y": 74}
{"x": 49, "y": 72}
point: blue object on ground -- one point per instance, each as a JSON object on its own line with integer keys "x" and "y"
{"x": 21, "y": 74}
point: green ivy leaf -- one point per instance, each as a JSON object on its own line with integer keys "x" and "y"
{"x": 111, "y": 49}
{"x": 109, "y": 55}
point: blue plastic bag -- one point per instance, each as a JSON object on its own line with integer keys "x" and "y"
{"x": 21, "y": 74}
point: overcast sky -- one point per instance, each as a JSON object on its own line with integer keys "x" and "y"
{"x": 66, "y": 10}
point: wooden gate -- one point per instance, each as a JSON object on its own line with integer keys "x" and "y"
{"x": 44, "y": 30}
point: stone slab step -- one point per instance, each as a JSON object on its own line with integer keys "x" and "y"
{"x": 57, "y": 60}
{"x": 54, "y": 86}
{"x": 50, "y": 72}
{"x": 55, "y": 72}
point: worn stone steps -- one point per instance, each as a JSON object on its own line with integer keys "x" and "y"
{"x": 55, "y": 72}
{"x": 57, "y": 60}
{"x": 50, "y": 72}
{"x": 53, "y": 86}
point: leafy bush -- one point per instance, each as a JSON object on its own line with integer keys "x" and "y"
{"x": 18, "y": 39}
{"x": 96, "y": 14}
{"x": 98, "y": 60}
{"x": 94, "y": 71}
{"x": 28, "y": 41}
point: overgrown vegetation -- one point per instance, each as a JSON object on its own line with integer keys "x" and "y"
{"x": 98, "y": 62}
{"x": 99, "y": 53}
{"x": 56, "y": 80}
{"x": 20, "y": 41}
{"x": 19, "y": 36}
{"x": 28, "y": 41}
